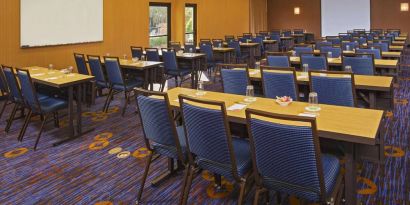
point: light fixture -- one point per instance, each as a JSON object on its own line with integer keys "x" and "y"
{"x": 404, "y": 6}
{"x": 296, "y": 10}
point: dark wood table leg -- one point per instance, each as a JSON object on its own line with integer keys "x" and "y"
{"x": 350, "y": 175}
{"x": 372, "y": 99}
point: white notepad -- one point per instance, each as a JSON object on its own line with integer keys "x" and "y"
{"x": 236, "y": 107}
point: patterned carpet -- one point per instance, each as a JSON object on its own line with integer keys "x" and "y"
{"x": 84, "y": 171}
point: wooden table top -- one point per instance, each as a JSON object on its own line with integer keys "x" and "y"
{"x": 249, "y": 44}
{"x": 269, "y": 41}
{"x": 334, "y": 122}
{"x": 379, "y": 63}
{"x": 388, "y": 54}
{"x": 401, "y": 38}
{"x": 190, "y": 55}
{"x": 140, "y": 65}
{"x": 56, "y": 78}
{"x": 396, "y": 48}
{"x": 365, "y": 82}
{"x": 222, "y": 49}
{"x": 398, "y": 43}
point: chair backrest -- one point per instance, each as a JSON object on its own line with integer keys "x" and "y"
{"x": 170, "y": 59}
{"x": 205, "y": 42}
{"x": 286, "y": 153}
{"x": 336, "y": 52}
{"x": 314, "y": 61}
{"x": 114, "y": 72}
{"x": 176, "y": 46}
{"x": 247, "y": 35}
{"x": 302, "y": 49}
{"x": 287, "y": 32}
{"x": 229, "y": 38}
{"x": 333, "y": 88}
{"x": 279, "y": 82}
{"x": 334, "y": 39}
{"x": 275, "y": 32}
{"x": 218, "y": 43}
{"x": 362, "y": 64}
{"x": 152, "y": 54}
{"x": 81, "y": 64}
{"x": 298, "y": 31}
{"x": 275, "y": 36}
{"x": 236, "y": 46}
{"x": 320, "y": 44}
{"x": 28, "y": 91}
{"x": 345, "y": 36}
{"x": 235, "y": 81}
{"x": 157, "y": 120}
{"x": 349, "y": 46}
{"x": 96, "y": 68}
{"x": 3, "y": 84}
{"x": 189, "y": 48}
{"x": 136, "y": 52}
{"x": 375, "y": 51}
{"x": 207, "y": 49}
{"x": 383, "y": 45}
{"x": 278, "y": 61}
{"x": 210, "y": 145}
{"x": 360, "y": 40}
{"x": 12, "y": 84}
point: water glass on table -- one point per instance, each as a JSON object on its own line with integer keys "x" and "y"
{"x": 250, "y": 94}
{"x": 200, "y": 90}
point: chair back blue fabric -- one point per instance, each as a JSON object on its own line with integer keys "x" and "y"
{"x": 234, "y": 81}
{"x": 279, "y": 83}
{"x": 206, "y": 144}
{"x": 136, "y": 52}
{"x": 170, "y": 60}
{"x": 375, "y": 51}
{"x": 12, "y": 83}
{"x": 205, "y": 42}
{"x": 229, "y": 38}
{"x": 243, "y": 39}
{"x": 320, "y": 44}
{"x": 334, "y": 39}
{"x": 260, "y": 41}
{"x": 345, "y": 37}
{"x": 247, "y": 36}
{"x": 217, "y": 43}
{"x": 189, "y": 48}
{"x": 314, "y": 62}
{"x": 298, "y": 31}
{"x": 176, "y": 46}
{"x": 360, "y": 40}
{"x": 287, "y": 33}
{"x": 351, "y": 45}
{"x": 152, "y": 54}
{"x": 286, "y": 157}
{"x": 275, "y": 37}
{"x": 235, "y": 45}
{"x": 156, "y": 120}
{"x": 384, "y": 46}
{"x": 299, "y": 50}
{"x": 278, "y": 61}
{"x": 361, "y": 64}
{"x": 333, "y": 90}
{"x": 81, "y": 64}
{"x": 28, "y": 91}
{"x": 114, "y": 73}
{"x": 3, "y": 83}
{"x": 96, "y": 68}
{"x": 207, "y": 49}
{"x": 336, "y": 52}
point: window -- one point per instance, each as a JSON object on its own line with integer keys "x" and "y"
{"x": 159, "y": 24}
{"x": 190, "y": 23}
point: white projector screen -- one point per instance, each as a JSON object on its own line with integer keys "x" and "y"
{"x": 339, "y": 16}
{"x": 59, "y": 22}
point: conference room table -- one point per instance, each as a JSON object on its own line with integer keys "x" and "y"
{"x": 385, "y": 54}
{"x": 149, "y": 69}
{"x": 396, "y": 48}
{"x": 371, "y": 84}
{"x": 226, "y": 52}
{"x": 59, "y": 80}
{"x": 270, "y": 45}
{"x": 401, "y": 38}
{"x": 354, "y": 128}
{"x": 195, "y": 59}
{"x": 252, "y": 48}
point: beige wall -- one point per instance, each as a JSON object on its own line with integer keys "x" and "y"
{"x": 126, "y": 23}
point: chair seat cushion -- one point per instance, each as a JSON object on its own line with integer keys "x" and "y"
{"x": 180, "y": 72}
{"x": 171, "y": 151}
{"x": 331, "y": 170}
{"x": 51, "y": 104}
{"x": 101, "y": 84}
{"x": 242, "y": 156}
{"x": 129, "y": 85}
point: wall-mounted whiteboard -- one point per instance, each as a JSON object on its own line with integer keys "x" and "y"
{"x": 59, "y": 22}
{"x": 339, "y": 16}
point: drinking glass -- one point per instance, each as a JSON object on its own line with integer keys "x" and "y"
{"x": 257, "y": 65}
{"x": 134, "y": 60}
{"x": 250, "y": 94}
{"x": 143, "y": 58}
{"x": 125, "y": 56}
{"x": 348, "y": 68}
{"x": 191, "y": 50}
{"x": 220, "y": 45}
{"x": 329, "y": 54}
{"x": 313, "y": 102}
{"x": 200, "y": 91}
{"x": 305, "y": 70}
{"x": 50, "y": 67}
{"x": 347, "y": 47}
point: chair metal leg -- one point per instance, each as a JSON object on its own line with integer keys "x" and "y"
{"x": 184, "y": 181}
{"x": 41, "y": 131}
{"x": 188, "y": 185}
{"x": 11, "y": 118}
{"x": 241, "y": 192}
{"x": 56, "y": 120}
{"x": 144, "y": 177}
{"x": 257, "y": 193}
{"x": 106, "y": 100}
{"x": 126, "y": 94}
{"x": 24, "y": 128}
{"x": 3, "y": 107}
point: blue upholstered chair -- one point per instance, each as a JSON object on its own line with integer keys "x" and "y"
{"x": 176, "y": 46}
{"x": 298, "y": 31}
{"x": 239, "y": 55}
{"x": 118, "y": 83}
{"x": 235, "y": 81}
{"x": 287, "y": 33}
{"x": 161, "y": 136}
{"x": 213, "y": 149}
{"x": 275, "y": 36}
{"x": 362, "y": 64}
{"x": 81, "y": 64}
{"x": 136, "y": 52}
{"x": 279, "y": 82}
{"x": 278, "y": 61}
{"x": 259, "y": 40}
{"x": 210, "y": 60}
{"x": 205, "y": 42}
{"x": 217, "y": 43}
{"x": 333, "y": 88}
{"x": 152, "y": 54}
{"x": 97, "y": 71}
{"x": 376, "y": 52}
{"x": 229, "y": 38}
{"x": 334, "y": 39}
{"x": 302, "y": 49}
{"x": 360, "y": 40}
{"x": 349, "y": 46}
{"x": 336, "y": 52}
{"x": 314, "y": 61}
{"x": 320, "y": 44}
{"x": 4, "y": 91}
{"x": 384, "y": 46}
{"x": 345, "y": 36}
{"x": 287, "y": 159}
{"x": 247, "y": 36}
{"x": 189, "y": 48}
{"x": 171, "y": 68}
{"x": 44, "y": 107}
